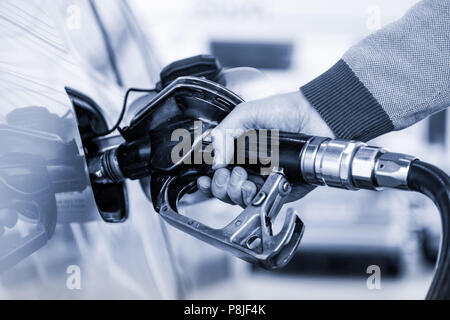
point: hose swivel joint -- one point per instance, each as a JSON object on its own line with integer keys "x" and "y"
{"x": 353, "y": 165}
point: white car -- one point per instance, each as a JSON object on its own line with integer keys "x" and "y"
{"x": 56, "y": 239}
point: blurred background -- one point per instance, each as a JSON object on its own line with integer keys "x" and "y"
{"x": 293, "y": 42}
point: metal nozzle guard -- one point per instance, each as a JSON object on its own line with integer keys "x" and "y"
{"x": 249, "y": 236}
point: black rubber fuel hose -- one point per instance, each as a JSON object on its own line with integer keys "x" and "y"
{"x": 435, "y": 184}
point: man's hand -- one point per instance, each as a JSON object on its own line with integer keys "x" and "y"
{"x": 286, "y": 112}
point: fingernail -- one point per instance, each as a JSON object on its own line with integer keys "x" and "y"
{"x": 235, "y": 177}
{"x": 221, "y": 179}
{"x": 202, "y": 186}
{"x": 246, "y": 188}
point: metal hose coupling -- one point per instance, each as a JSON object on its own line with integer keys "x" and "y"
{"x": 353, "y": 165}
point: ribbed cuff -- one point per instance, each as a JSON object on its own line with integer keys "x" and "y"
{"x": 346, "y": 105}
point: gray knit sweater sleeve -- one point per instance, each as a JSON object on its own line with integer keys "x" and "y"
{"x": 391, "y": 79}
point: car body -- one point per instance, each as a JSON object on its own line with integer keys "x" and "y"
{"x": 54, "y": 243}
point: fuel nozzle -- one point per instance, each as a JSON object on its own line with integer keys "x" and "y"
{"x": 316, "y": 161}
{"x": 130, "y": 160}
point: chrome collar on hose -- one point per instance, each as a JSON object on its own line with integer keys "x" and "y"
{"x": 353, "y": 165}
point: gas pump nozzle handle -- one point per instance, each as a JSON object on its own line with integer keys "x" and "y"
{"x": 249, "y": 236}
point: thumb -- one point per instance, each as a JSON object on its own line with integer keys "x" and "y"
{"x": 224, "y": 135}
